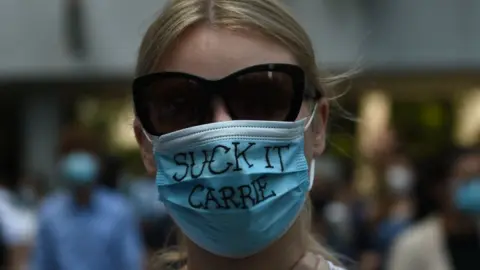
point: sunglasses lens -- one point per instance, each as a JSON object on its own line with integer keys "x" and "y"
{"x": 174, "y": 104}
{"x": 265, "y": 95}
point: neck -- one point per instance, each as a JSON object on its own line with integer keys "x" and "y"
{"x": 82, "y": 196}
{"x": 282, "y": 255}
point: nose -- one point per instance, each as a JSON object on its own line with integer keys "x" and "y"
{"x": 220, "y": 112}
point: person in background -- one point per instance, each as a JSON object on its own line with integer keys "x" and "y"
{"x": 399, "y": 206}
{"x": 156, "y": 225}
{"x": 449, "y": 239}
{"x": 345, "y": 214}
{"x": 17, "y": 226}
{"x": 335, "y": 211}
{"x": 32, "y": 189}
{"x": 86, "y": 227}
{"x": 323, "y": 193}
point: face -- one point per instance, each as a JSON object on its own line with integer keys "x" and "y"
{"x": 465, "y": 169}
{"x": 213, "y": 54}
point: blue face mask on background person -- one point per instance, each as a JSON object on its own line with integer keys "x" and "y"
{"x": 79, "y": 169}
{"x": 234, "y": 187}
{"x": 467, "y": 197}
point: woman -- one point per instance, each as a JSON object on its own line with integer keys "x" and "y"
{"x": 230, "y": 110}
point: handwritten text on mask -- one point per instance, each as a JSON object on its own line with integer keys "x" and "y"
{"x": 228, "y": 196}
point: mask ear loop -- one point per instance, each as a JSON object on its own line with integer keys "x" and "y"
{"x": 312, "y": 174}
{"x": 312, "y": 116}
{"x": 312, "y": 162}
{"x": 146, "y": 135}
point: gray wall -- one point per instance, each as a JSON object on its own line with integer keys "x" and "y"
{"x": 433, "y": 34}
{"x": 33, "y": 37}
{"x": 377, "y": 34}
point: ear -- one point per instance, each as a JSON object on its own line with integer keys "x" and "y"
{"x": 145, "y": 148}
{"x": 320, "y": 126}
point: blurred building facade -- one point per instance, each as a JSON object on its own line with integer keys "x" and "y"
{"x": 52, "y": 52}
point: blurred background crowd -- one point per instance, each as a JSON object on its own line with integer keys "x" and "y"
{"x": 403, "y": 142}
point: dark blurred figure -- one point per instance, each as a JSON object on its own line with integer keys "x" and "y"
{"x": 327, "y": 178}
{"x": 383, "y": 210}
{"x": 339, "y": 213}
{"x": 111, "y": 172}
{"x": 32, "y": 189}
{"x": 398, "y": 203}
{"x": 156, "y": 225}
{"x": 85, "y": 226}
{"x": 448, "y": 239}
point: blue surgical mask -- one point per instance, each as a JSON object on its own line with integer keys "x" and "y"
{"x": 234, "y": 187}
{"x": 467, "y": 197}
{"x": 79, "y": 169}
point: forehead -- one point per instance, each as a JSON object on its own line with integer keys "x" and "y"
{"x": 214, "y": 53}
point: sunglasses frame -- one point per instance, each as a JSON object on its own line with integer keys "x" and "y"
{"x": 214, "y": 87}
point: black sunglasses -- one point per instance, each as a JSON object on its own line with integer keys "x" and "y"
{"x": 169, "y": 101}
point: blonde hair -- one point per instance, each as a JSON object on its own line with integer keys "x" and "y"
{"x": 268, "y": 17}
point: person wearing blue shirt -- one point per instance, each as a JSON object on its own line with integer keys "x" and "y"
{"x": 86, "y": 227}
